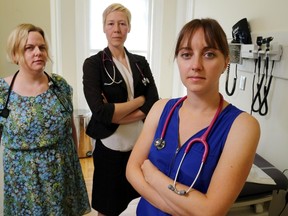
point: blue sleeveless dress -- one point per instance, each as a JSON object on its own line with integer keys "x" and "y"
{"x": 167, "y": 160}
{"x": 42, "y": 172}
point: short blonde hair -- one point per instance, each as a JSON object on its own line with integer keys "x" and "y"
{"x": 116, "y": 7}
{"x": 18, "y": 39}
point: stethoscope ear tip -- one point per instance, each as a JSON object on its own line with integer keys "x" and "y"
{"x": 145, "y": 81}
{"x": 173, "y": 188}
{"x": 170, "y": 187}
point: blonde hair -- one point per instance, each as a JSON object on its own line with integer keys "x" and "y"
{"x": 18, "y": 39}
{"x": 116, "y": 7}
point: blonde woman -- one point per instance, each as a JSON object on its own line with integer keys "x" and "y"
{"x": 42, "y": 173}
{"x": 120, "y": 90}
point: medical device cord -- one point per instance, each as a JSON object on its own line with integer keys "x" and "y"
{"x": 259, "y": 42}
{"x": 230, "y": 93}
{"x": 264, "y": 103}
{"x": 258, "y": 85}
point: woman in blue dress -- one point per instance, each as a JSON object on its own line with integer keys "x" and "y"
{"x": 206, "y": 178}
{"x": 42, "y": 173}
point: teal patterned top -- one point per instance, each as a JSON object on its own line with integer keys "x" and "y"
{"x": 42, "y": 172}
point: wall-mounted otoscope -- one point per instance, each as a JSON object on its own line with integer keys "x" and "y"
{"x": 262, "y": 108}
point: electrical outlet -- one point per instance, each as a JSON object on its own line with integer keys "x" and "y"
{"x": 242, "y": 83}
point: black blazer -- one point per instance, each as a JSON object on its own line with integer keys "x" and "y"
{"x": 96, "y": 81}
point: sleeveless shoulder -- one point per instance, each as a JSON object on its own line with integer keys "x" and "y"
{"x": 168, "y": 106}
{"x": 223, "y": 125}
{"x": 230, "y": 113}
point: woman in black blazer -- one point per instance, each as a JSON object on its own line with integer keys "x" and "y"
{"x": 120, "y": 90}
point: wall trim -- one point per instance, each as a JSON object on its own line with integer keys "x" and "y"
{"x": 56, "y": 45}
{"x": 185, "y": 12}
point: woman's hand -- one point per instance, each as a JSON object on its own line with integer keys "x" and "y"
{"x": 141, "y": 99}
{"x": 104, "y": 98}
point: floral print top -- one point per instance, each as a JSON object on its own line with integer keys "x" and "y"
{"x": 42, "y": 172}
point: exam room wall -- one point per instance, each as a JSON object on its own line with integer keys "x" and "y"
{"x": 263, "y": 16}
{"x": 14, "y": 12}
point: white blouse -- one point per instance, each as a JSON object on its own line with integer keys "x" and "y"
{"x": 124, "y": 138}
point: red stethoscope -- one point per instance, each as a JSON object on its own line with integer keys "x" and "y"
{"x": 160, "y": 144}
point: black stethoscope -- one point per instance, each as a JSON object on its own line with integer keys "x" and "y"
{"x": 106, "y": 57}
{"x": 160, "y": 144}
{"x": 5, "y": 111}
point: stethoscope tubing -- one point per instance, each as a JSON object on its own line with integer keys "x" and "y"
{"x": 169, "y": 116}
{"x": 113, "y": 81}
{"x": 5, "y": 111}
{"x": 145, "y": 80}
{"x": 202, "y": 140}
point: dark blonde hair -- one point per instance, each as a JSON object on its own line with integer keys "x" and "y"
{"x": 215, "y": 37}
{"x": 116, "y": 7}
{"x": 18, "y": 39}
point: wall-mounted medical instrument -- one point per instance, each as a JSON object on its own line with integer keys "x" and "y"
{"x": 264, "y": 79}
{"x": 235, "y": 53}
{"x": 160, "y": 144}
{"x": 265, "y": 54}
{"x": 241, "y": 32}
{"x": 241, "y": 35}
{"x": 259, "y": 42}
{"x": 262, "y": 58}
{"x": 106, "y": 57}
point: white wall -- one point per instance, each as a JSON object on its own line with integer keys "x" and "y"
{"x": 14, "y": 12}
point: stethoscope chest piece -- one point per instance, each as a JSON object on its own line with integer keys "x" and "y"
{"x": 145, "y": 81}
{"x": 5, "y": 112}
{"x": 159, "y": 143}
